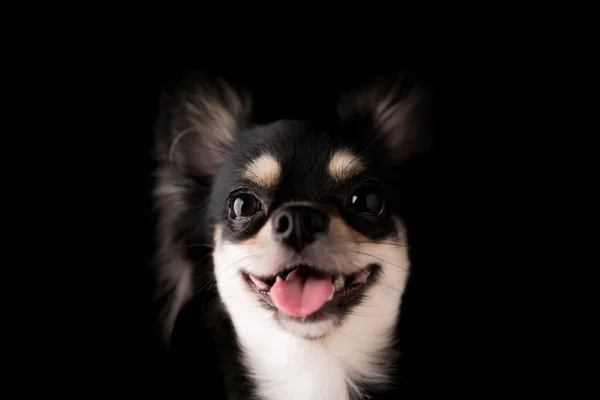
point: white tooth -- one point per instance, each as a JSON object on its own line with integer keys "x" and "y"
{"x": 278, "y": 279}
{"x": 331, "y": 294}
{"x": 338, "y": 284}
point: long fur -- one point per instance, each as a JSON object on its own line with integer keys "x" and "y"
{"x": 195, "y": 134}
{"x": 203, "y": 118}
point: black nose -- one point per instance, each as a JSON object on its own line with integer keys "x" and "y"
{"x": 297, "y": 226}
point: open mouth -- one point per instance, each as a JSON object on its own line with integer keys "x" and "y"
{"x": 302, "y": 290}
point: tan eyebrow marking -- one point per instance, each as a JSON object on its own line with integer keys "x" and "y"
{"x": 264, "y": 171}
{"x": 344, "y": 165}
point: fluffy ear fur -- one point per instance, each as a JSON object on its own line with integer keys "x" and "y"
{"x": 197, "y": 124}
{"x": 394, "y": 110}
{"x": 195, "y": 127}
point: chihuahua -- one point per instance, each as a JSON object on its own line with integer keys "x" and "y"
{"x": 297, "y": 227}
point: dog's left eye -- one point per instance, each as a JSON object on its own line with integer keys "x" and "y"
{"x": 243, "y": 205}
{"x": 367, "y": 200}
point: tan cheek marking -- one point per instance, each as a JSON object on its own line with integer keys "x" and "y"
{"x": 340, "y": 230}
{"x": 217, "y": 236}
{"x": 374, "y": 247}
{"x": 265, "y": 171}
{"x": 401, "y": 230}
{"x": 261, "y": 236}
{"x": 344, "y": 165}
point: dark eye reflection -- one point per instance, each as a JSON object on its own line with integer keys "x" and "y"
{"x": 368, "y": 200}
{"x": 243, "y": 205}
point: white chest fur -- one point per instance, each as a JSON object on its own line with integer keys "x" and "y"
{"x": 285, "y": 366}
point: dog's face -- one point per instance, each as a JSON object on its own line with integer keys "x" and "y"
{"x": 303, "y": 219}
{"x": 303, "y": 231}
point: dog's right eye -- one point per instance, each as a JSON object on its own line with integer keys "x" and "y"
{"x": 243, "y": 205}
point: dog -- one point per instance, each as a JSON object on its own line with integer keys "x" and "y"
{"x": 297, "y": 226}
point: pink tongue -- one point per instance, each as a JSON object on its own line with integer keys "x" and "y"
{"x": 301, "y": 295}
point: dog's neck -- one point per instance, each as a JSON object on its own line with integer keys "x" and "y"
{"x": 334, "y": 367}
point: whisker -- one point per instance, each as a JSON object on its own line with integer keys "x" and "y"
{"x": 221, "y": 268}
{"x": 217, "y": 267}
{"x": 210, "y": 246}
{"x": 369, "y": 145}
{"x": 368, "y": 315}
{"x": 212, "y": 281}
{"x": 390, "y": 287}
{"x": 379, "y": 243}
{"x": 379, "y": 258}
{"x": 386, "y": 294}
{"x": 374, "y": 242}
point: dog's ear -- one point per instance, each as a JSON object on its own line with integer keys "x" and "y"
{"x": 197, "y": 124}
{"x": 395, "y": 111}
{"x": 195, "y": 128}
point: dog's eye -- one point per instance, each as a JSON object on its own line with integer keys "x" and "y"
{"x": 367, "y": 200}
{"x": 243, "y": 205}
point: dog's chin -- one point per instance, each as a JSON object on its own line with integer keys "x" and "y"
{"x": 346, "y": 293}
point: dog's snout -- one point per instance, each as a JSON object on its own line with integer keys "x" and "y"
{"x": 298, "y": 226}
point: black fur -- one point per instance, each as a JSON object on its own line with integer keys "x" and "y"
{"x": 199, "y": 170}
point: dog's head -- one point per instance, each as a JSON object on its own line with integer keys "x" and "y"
{"x": 302, "y": 219}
